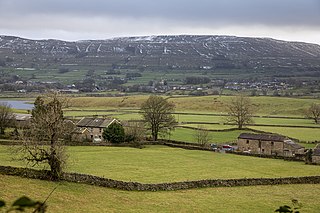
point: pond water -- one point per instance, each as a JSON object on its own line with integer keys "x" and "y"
{"x": 18, "y": 104}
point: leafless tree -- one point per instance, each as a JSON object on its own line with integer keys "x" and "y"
{"x": 157, "y": 114}
{"x": 202, "y": 137}
{"x": 6, "y": 117}
{"x": 136, "y": 130}
{"x": 42, "y": 142}
{"x": 240, "y": 111}
{"x": 314, "y": 112}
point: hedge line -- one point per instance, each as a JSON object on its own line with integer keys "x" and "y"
{"x": 135, "y": 186}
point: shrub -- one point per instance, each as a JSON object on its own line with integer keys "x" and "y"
{"x": 114, "y": 133}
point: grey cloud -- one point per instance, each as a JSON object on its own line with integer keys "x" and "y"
{"x": 83, "y": 19}
{"x": 264, "y": 12}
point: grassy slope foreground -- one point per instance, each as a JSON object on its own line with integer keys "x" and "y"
{"x": 156, "y": 164}
{"x": 72, "y": 197}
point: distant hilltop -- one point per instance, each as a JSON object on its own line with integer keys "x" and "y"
{"x": 170, "y": 52}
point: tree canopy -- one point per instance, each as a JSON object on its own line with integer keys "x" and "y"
{"x": 314, "y": 112}
{"x": 114, "y": 133}
{"x": 6, "y": 117}
{"x": 157, "y": 114}
{"x": 42, "y": 142}
{"x": 240, "y": 111}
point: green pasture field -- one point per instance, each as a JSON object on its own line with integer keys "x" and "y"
{"x": 52, "y": 75}
{"x": 308, "y": 145}
{"x": 215, "y": 104}
{"x": 188, "y": 135}
{"x": 74, "y": 197}
{"x": 92, "y": 113}
{"x": 209, "y": 126}
{"x": 157, "y": 164}
{"x": 128, "y": 111}
{"x": 300, "y": 133}
{"x": 134, "y": 114}
{"x": 303, "y": 134}
{"x": 127, "y": 108}
{"x": 284, "y": 121}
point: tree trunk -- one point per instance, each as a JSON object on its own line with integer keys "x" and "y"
{"x": 54, "y": 161}
{"x": 154, "y": 136}
{"x": 55, "y": 166}
{"x": 240, "y": 126}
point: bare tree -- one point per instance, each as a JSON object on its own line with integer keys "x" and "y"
{"x": 6, "y": 117}
{"x": 314, "y": 112}
{"x": 135, "y": 130}
{"x": 240, "y": 111}
{"x": 42, "y": 143}
{"x": 202, "y": 137}
{"x": 157, "y": 113}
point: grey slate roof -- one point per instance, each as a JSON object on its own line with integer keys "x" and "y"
{"x": 80, "y": 130}
{"x": 293, "y": 144}
{"x": 316, "y": 150}
{"x": 22, "y": 117}
{"x": 263, "y": 137}
{"x": 95, "y": 122}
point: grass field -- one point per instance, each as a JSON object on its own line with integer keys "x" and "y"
{"x": 188, "y": 135}
{"x": 265, "y": 106}
{"x": 213, "y": 104}
{"x": 73, "y": 197}
{"x": 157, "y": 164}
{"x": 304, "y": 134}
{"x": 127, "y": 108}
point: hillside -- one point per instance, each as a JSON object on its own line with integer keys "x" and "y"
{"x": 175, "y": 52}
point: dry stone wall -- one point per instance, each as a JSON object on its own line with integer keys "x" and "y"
{"x": 135, "y": 186}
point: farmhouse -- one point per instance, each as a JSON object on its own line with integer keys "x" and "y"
{"x": 22, "y": 119}
{"x": 268, "y": 144}
{"x": 94, "y": 126}
{"x": 81, "y": 134}
{"x": 316, "y": 155}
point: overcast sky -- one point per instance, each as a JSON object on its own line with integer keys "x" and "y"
{"x": 297, "y": 20}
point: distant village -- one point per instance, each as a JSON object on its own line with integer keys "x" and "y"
{"x": 190, "y": 86}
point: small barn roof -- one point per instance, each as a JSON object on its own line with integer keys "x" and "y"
{"x": 293, "y": 144}
{"x": 22, "y": 117}
{"x": 316, "y": 150}
{"x": 80, "y": 130}
{"x": 263, "y": 137}
{"x": 95, "y": 122}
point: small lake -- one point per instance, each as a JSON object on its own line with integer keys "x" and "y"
{"x": 18, "y": 104}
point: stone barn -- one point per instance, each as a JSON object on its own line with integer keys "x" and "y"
{"x": 95, "y": 126}
{"x": 316, "y": 155}
{"x": 268, "y": 144}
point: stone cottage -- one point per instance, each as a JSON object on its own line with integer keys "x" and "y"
{"x": 94, "y": 126}
{"x": 316, "y": 155}
{"x": 22, "y": 120}
{"x": 268, "y": 144}
{"x": 81, "y": 134}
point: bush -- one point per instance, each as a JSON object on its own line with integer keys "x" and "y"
{"x": 114, "y": 133}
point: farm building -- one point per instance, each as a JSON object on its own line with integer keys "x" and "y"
{"x": 268, "y": 144}
{"x": 94, "y": 126}
{"x": 81, "y": 134}
{"x": 22, "y": 119}
{"x": 316, "y": 155}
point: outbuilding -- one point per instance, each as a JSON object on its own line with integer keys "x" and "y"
{"x": 95, "y": 126}
{"x": 268, "y": 144}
